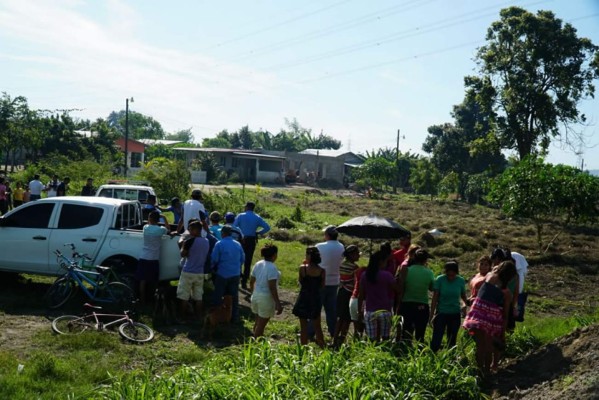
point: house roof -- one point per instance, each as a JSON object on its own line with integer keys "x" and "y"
{"x": 236, "y": 152}
{"x": 152, "y": 142}
{"x": 326, "y": 152}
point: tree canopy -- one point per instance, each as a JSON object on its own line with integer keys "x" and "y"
{"x": 140, "y": 126}
{"x": 534, "y": 70}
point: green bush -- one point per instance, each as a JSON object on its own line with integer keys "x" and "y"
{"x": 169, "y": 178}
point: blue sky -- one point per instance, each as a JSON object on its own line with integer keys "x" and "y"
{"x": 357, "y": 70}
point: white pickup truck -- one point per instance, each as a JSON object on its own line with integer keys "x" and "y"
{"x": 108, "y": 230}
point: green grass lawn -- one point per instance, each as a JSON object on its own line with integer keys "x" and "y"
{"x": 179, "y": 364}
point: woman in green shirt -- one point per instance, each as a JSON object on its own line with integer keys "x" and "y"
{"x": 414, "y": 284}
{"x": 449, "y": 288}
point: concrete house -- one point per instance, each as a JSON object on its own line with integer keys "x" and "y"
{"x": 333, "y": 165}
{"x": 252, "y": 166}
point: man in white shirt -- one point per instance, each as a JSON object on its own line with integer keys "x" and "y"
{"x": 331, "y": 254}
{"x": 52, "y": 186}
{"x": 35, "y": 188}
{"x": 522, "y": 269}
{"x": 191, "y": 209}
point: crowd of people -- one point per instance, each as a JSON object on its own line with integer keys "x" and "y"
{"x": 12, "y": 197}
{"x": 395, "y": 289}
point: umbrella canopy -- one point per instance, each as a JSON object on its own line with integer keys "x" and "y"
{"x": 372, "y": 227}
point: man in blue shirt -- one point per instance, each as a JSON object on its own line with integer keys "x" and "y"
{"x": 249, "y": 222}
{"x": 227, "y": 258}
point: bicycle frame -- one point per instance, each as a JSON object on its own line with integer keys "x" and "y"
{"x": 80, "y": 276}
{"x": 124, "y": 318}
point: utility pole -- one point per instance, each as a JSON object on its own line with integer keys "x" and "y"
{"x": 396, "y": 177}
{"x": 127, "y": 135}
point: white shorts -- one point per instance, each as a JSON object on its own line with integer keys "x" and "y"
{"x": 263, "y": 305}
{"x": 190, "y": 286}
{"x": 353, "y": 308}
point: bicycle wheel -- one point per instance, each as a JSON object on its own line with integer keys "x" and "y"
{"x": 136, "y": 332}
{"x": 60, "y": 292}
{"x": 71, "y": 325}
{"x": 120, "y": 295}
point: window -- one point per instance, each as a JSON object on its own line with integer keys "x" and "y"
{"x": 127, "y": 216}
{"x": 142, "y": 196}
{"x": 234, "y": 162}
{"x": 34, "y": 216}
{"x": 222, "y": 161}
{"x": 105, "y": 193}
{"x": 74, "y": 216}
{"x": 270, "y": 165}
{"x": 136, "y": 160}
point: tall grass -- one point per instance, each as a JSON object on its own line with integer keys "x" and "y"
{"x": 262, "y": 370}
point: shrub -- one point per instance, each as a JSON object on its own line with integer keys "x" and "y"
{"x": 285, "y": 223}
{"x": 298, "y": 215}
{"x": 280, "y": 235}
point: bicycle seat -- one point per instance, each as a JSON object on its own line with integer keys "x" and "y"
{"x": 100, "y": 269}
{"x": 92, "y": 306}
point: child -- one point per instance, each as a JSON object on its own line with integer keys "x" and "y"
{"x": 263, "y": 285}
{"x": 448, "y": 289}
{"x": 346, "y": 287}
{"x": 215, "y": 225}
{"x": 17, "y": 198}
{"x": 148, "y": 269}
{"x": 377, "y": 291}
{"x": 191, "y": 283}
{"x": 308, "y": 303}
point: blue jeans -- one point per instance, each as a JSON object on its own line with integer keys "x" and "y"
{"x": 328, "y": 297}
{"x": 445, "y": 322}
{"x": 227, "y": 286}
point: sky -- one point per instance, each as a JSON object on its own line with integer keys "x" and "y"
{"x": 353, "y": 69}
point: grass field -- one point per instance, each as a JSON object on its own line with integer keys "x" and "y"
{"x": 34, "y": 363}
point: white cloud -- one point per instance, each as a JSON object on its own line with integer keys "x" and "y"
{"x": 108, "y": 60}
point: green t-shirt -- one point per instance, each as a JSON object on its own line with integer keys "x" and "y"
{"x": 449, "y": 294}
{"x": 418, "y": 282}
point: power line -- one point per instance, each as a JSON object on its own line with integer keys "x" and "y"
{"x": 394, "y": 61}
{"x": 405, "y": 34}
{"x": 371, "y": 17}
{"x": 282, "y": 23}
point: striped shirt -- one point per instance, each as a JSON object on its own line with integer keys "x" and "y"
{"x": 346, "y": 275}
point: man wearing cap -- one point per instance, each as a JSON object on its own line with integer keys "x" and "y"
{"x": 191, "y": 209}
{"x": 248, "y": 223}
{"x": 331, "y": 254}
{"x": 227, "y": 258}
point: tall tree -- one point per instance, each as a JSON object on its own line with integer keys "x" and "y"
{"x": 534, "y": 70}
{"x": 184, "y": 135}
{"x": 140, "y": 126}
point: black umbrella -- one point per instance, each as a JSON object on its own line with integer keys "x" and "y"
{"x": 372, "y": 227}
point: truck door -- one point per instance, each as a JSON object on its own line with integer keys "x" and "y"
{"x": 84, "y": 225}
{"x": 25, "y": 236}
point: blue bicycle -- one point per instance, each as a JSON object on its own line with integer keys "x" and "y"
{"x": 96, "y": 285}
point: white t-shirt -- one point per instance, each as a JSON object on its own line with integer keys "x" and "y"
{"x": 521, "y": 268}
{"x": 191, "y": 209}
{"x": 36, "y": 187}
{"x": 331, "y": 254}
{"x": 264, "y": 271}
{"x": 52, "y": 186}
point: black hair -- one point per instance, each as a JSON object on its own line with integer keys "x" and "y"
{"x": 269, "y": 251}
{"x": 386, "y": 249}
{"x": 314, "y": 254}
{"x": 506, "y": 272}
{"x": 154, "y": 216}
{"x": 420, "y": 256}
{"x": 194, "y": 224}
{"x": 452, "y": 266}
{"x": 373, "y": 266}
{"x": 250, "y": 205}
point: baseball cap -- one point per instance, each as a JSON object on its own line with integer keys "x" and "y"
{"x": 351, "y": 249}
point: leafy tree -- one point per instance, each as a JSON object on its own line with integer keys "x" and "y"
{"x": 169, "y": 178}
{"x": 403, "y": 163}
{"x": 425, "y": 178}
{"x": 184, "y": 135}
{"x": 449, "y": 184}
{"x": 534, "y": 70}
{"x": 140, "y": 126}
{"x": 159, "y": 151}
{"x": 467, "y": 146}
{"x": 376, "y": 172}
{"x": 222, "y": 141}
{"x": 542, "y": 192}
{"x": 246, "y": 138}
{"x": 15, "y": 118}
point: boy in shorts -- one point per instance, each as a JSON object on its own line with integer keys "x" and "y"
{"x": 191, "y": 283}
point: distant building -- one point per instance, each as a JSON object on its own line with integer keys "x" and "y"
{"x": 135, "y": 154}
{"x": 333, "y": 165}
{"x": 250, "y": 165}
